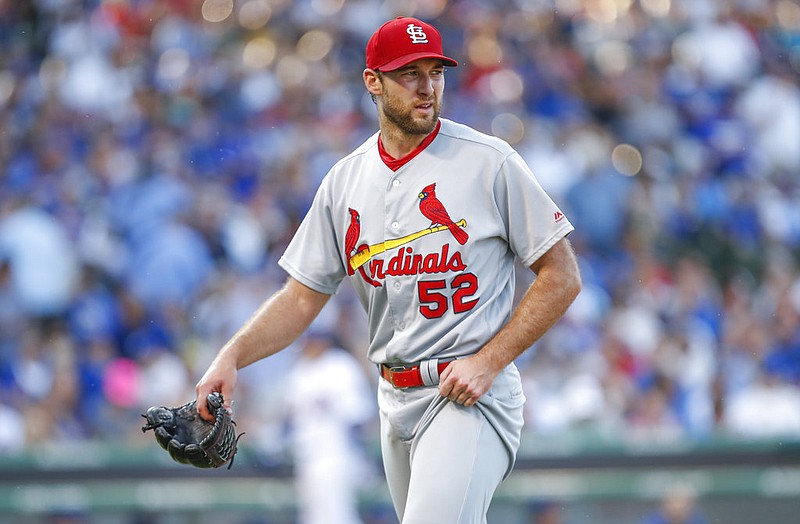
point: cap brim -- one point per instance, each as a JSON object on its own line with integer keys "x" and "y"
{"x": 397, "y": 63}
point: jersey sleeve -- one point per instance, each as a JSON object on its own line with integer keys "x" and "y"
{"x": 313, "y": 256}
{"x": 534, "y": 223}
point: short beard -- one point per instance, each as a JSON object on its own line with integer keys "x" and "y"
{"x": 405, "y": 122}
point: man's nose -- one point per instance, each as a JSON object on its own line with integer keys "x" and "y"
{"x": 425, "y": 84}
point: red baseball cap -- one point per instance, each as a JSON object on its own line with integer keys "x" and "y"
{"x": 400, "y": 41}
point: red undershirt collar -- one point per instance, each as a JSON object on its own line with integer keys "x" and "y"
{"x": 396, "y": 163}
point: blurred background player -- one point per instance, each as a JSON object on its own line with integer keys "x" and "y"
{"x": 326, "y": 419}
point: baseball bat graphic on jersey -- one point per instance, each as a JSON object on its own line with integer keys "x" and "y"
{"x": 362, "y": 257}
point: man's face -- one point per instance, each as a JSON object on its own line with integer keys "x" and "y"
{"x": 412, "y": 96}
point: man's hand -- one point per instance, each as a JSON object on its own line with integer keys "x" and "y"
{"x": 466, "y": 380}
{"x": 220, "y": 377}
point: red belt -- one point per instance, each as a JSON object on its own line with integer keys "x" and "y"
{"x": 403, "y": 377}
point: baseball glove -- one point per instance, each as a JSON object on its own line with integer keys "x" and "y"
{"x": 189, "y": 438}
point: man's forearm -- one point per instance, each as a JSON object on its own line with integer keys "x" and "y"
{"x": 557, "y": 284}
{"x": 276, "y": 324}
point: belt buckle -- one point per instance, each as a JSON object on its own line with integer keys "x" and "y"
{"x": 392, "y": 371}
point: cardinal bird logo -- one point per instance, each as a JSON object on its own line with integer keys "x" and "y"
{"x": 352, "y": 235}
{"x": 434, "y": 210}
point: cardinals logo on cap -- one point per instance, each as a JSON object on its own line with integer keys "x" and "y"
{"x": 417, "y": 34}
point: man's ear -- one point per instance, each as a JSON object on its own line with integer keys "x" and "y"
{"x": 373, "y": 83}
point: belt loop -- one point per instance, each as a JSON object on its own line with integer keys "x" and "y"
{"x": 429, "y": 371}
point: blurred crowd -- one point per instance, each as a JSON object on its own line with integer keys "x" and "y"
{"x": 157, "y": 155}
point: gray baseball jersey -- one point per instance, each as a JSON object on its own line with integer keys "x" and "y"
{"x": 430, "y": 248}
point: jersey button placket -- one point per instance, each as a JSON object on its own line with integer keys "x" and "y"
{"x": 396, "y": 299}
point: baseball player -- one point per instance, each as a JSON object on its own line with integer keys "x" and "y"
{"x": 426, "y": 218}
{"x": 324, "y": 417}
